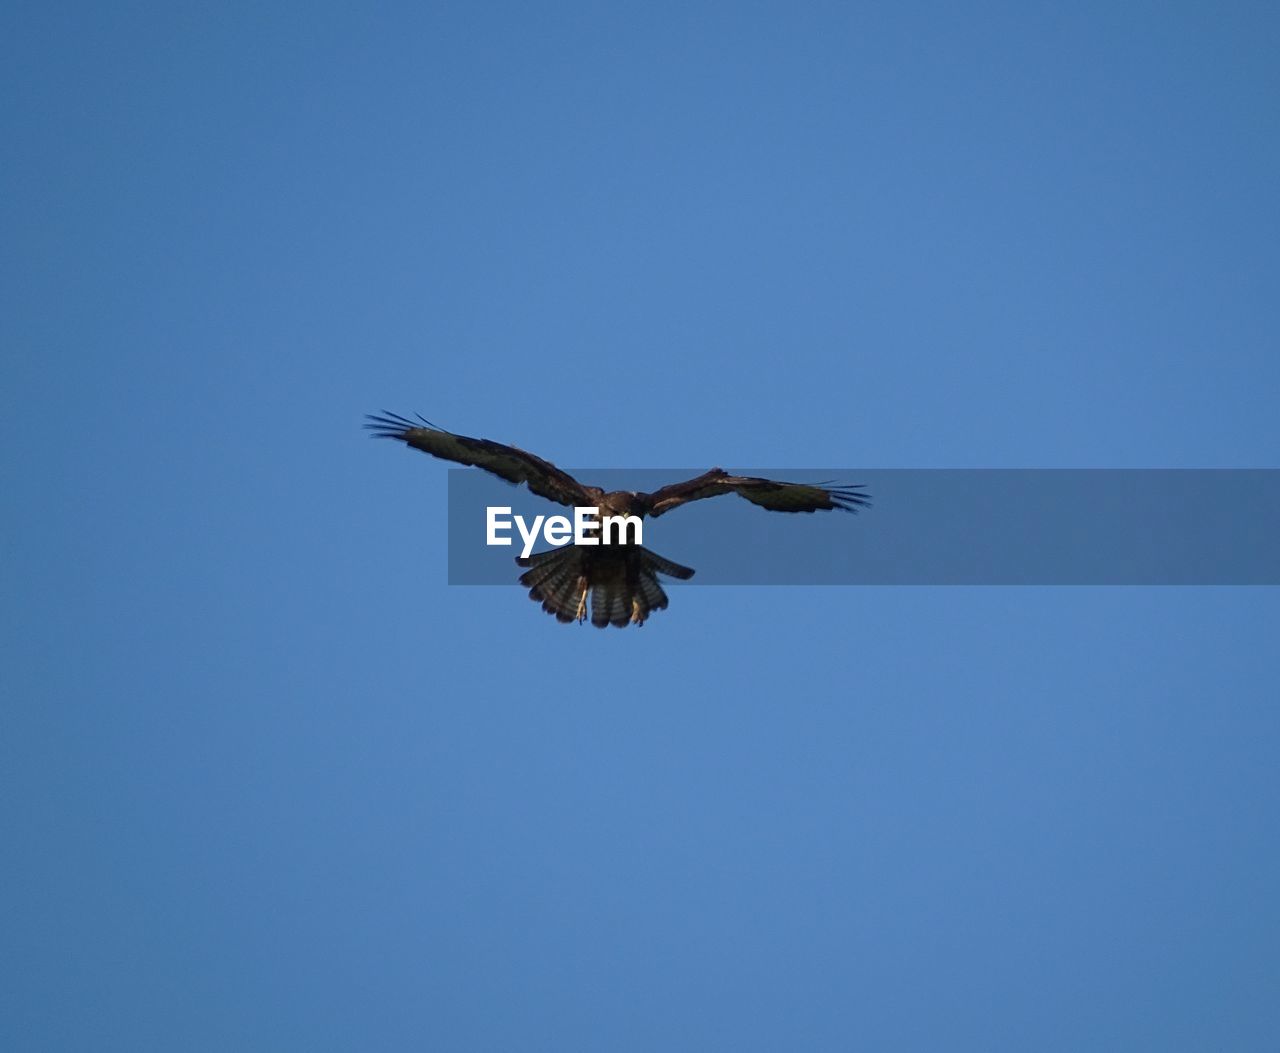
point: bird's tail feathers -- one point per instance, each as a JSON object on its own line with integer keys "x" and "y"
{"x": 623, "y": 585}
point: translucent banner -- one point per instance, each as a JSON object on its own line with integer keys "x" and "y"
{"x": 925, "y": 527}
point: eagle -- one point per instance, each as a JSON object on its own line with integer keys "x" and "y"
{"x": 620, "y": 580}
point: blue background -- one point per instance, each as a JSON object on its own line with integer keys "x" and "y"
{"x": 270, "y": 784}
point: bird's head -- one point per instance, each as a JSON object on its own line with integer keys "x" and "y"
{"x": 622, "y": 503}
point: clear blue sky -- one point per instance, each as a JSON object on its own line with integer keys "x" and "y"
{"x": 270, "y": 784}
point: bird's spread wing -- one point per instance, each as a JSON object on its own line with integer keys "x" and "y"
{"x": 515, "y": 466}
{"x": 767, "y": 493}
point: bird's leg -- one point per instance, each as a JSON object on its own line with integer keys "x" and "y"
{"x": 582, "y": 600}
{"x": 637, "y": 613}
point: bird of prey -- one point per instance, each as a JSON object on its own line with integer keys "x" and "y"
{"x": 621, "y": 580}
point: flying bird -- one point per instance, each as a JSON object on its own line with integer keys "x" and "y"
{"x": 621, "y": 580}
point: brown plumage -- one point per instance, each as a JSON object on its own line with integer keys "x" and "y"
{"x": 621, "y": 581}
